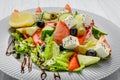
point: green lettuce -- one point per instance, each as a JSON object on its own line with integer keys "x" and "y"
{"x": 18, "y": 36}
{"x": 25, "y": 46}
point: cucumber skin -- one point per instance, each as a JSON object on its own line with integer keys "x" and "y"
{"x": 45, "y": 33}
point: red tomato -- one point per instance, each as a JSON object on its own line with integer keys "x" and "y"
{"x": 67, "y": 7}
{"x": 16, "y": 11}
{"x": 36, "y": 37}
{"x": 61, "y": 32}
{"x": 73, "y": 64}
{"x": 38, "y": 10}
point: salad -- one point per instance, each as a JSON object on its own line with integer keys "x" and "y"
{"x": 58, "y": 41}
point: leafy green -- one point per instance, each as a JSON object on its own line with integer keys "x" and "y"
{"x": 51, "y": 48}
{"x": 76, "y": 13}
{"x": 18, "y": 36}
{"x": 57, "y": 64}
{"x": 61, "y": 64}
{"x": 57, "y": 67}
{"x": 54, "y": 60}
{"x": 47, "y": 30}
{"x": 25, "y": 46}
{"x": 34, "y": 57}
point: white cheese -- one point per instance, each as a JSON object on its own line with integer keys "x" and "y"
{"x": 87, "y": 20}
{"x": 102, "y": 50}
{"x": 70, "y": 42}
{"x": 70, "y": 21}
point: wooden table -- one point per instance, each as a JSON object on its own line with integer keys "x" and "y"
{"x": 109, "y": 9}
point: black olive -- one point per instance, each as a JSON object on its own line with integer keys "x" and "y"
{"x": 41, "y": 24}
{"x": 73, "y": 31}
{"x": 43, "y": 47}
{"x": 61, "y": 47}
{"x": 91, "y": 52}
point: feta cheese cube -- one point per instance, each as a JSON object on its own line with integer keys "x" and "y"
{"x": 70, "y": 21}
{"x": 70, "y": 42}
{"x": 102, "y": 50}
{"x": 87, "y": 20}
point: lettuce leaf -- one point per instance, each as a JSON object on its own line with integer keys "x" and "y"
{"x": 18, "y": 36}
{"x": 52, "y": 49}
{"x": 25, "y": 46}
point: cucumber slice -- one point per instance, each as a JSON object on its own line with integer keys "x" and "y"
{"x": 29, "y": 30}
{"x": 46, "y": 16}
{"x": 87, "y": 60}
{"x": 63, "y": 16}
{"x": 97, "y": 32}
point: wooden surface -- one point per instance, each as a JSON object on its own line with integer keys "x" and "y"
{"x": 109, "y": 9}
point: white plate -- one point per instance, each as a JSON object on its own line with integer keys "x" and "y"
{"x": 12, "y": 67}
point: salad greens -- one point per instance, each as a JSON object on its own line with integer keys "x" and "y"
{"x": 17, "y": 36}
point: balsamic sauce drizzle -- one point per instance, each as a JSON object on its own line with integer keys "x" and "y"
{"x": 7, "y": 52}
{"x": 43, "y": 75}
{"x": 57, "y": 76}
{"x": 43, "y": 69}
{"x": 29, "y": 64}
{"x": 23, "y": 64}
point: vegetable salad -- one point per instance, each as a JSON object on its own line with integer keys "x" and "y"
{"x": 59, "y": 41}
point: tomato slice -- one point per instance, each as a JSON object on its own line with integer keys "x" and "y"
{"x": 61, "y": 32}
{"x": 38, "y": 10}
{"x": 67, "y": 7}
{"x": 73, "y": 64}
{"x": 36, "y": 37}
{"x": 16, "y": 11}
